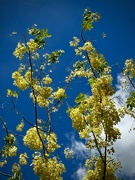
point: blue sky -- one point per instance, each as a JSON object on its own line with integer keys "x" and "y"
{"x": 63, "y": 19}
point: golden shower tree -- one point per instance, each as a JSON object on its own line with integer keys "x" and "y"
{"x": 95, "y": 115}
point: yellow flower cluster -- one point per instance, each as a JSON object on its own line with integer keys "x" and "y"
{"x": 48, "y": 169}
{"x": 96, "y": 59}
{"x": 20, "y": 81}
{"x": 2, "y": 163}
{"x": 97, "y": 172}
{"x": 42, "y": 94}
{"x": 102, "y": 86}
{"x": 15, "y": 168}
{"x": 85, "y": 132}
{"x": 75, "y": 42}
{"x": 20, "y": 51}
{"x": 12, "y": 93}
{"x": 20, "y": 126}
{"x": 95, "y": 115}
{"x": 52, "y": 142}
{"x": 35, "y": 56}
{"x": 78, "y": 120}
{"x": 78, "y": 51}
{"x": 12, "y": 151}
{"x": 98, "y": 109}
{"x": 32, "y": 140}
{"x": 129, "y": 68}
{"x": 32, "y": 45}
{"x": 68, "y": 153}
{"x": 47, "y": 80}
{"x": 80, "y": 73}
{"x": 12, "y": 137}
{"x": 88, "y": 47}
{"x": 22, "y": 159}
{"x": 60, "y": 93}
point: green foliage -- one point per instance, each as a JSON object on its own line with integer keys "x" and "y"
{"x": 79, "y": 64}
{"x": 131, "y": 101}
{"x": 69, "y": 110}
{"x": 16, "y": 176}
{"x": 88, "y": 19}
{"x": 40, "y": 35}
{"x": 101, "y": 68}
{"x": 9, "y": 144}
{"x": 92, "y": 80}
{"x": 10, "y": 139}
{"x": 81, "y": 97}
{"x": 54, "y": 56}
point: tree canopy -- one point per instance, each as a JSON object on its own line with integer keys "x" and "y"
{"x": 95, "y": 115}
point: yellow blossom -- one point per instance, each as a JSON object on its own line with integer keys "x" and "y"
{"x": 78, "y": 51}
{"x": 48, "y": 169}
{"x": 129, "y": 68}
{"x": 75, "y": 42}
{"x": 20, "y": 126}
{"x": 20, "y": 51}
{"x": 68, "y": 153}
{"x": 35, "y": 56}
{"x": 22, "y": 159}
{"x": 47, "y": 80}
{"x": 15, "y": 168}
{"x": 2, "y": 163}
{"x": 78, "y": 120}
{"x": 88, "y": 46}
{"x": 32, "y": 140}
{"x": 52, "y": 142}
{"x": 12, "y": 151}
{"x": 60, "y": 93}
{"x": 32, "y": 45}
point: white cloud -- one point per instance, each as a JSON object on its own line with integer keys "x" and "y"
{"x": 80, "y": 173}
{"x": 80, "y": 154}
{"x": 123, "y": 89}
{"x": 125, "y": 147}
{"x": 78, "y": 147}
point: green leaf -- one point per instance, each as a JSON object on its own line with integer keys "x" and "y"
{"x": 88, "y": 19}
{"x": 100, "y": 69}
{"x": 78, "y": 65}
{"x": 45, "y": 34}
{"x": 40, "y": 35}
{"x": 80, "y": 98}
{"x": 16, "y": 176}
{"x": 92, "y": 81}
{"x": 53, "y": 57}
{"x": 69, "y": 110}
{"x": 10, "y": 139}
{"x": 131, "y": 101}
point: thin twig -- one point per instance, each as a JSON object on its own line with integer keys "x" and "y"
{"x": 35, "y": 100}
{"x": 105, "y": 160}
{"x": 20, "y": 114}
{"x": 96, "y": 142}
{"x": 3, "y": 174}
{"x": 4, "y": 124}
{"x": 84, "y": 41}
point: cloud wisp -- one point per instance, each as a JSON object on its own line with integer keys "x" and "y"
{"x": 124, "y": 147}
